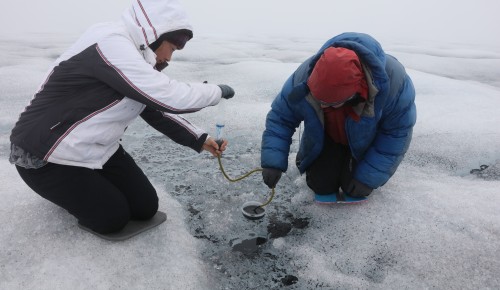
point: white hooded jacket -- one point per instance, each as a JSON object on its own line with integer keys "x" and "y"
{"x": 103, "y": 82}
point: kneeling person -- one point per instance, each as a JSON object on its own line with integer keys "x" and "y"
{"x": 357, "y": 105}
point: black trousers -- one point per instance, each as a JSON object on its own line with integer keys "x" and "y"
{"x": 104, "y": 200}
{"x": 332, "y": 169}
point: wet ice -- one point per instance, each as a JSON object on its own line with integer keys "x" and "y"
{"x": 432, "y": 214}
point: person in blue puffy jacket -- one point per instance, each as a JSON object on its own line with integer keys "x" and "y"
{"x": 357, "y": 105}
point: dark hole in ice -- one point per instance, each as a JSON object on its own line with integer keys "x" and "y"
{"x": 249, "y": 246}
{"x": 289, "y": 280}
{"x": 278, "y": 229}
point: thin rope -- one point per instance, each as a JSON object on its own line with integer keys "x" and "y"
{"x": 242, "y": 177}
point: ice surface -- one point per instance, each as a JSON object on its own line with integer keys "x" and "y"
{"x": 433, "y": 225}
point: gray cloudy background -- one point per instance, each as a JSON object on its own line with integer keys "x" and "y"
{"x": 459, "y": 21}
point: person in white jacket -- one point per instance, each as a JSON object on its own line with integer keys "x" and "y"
{"x": 65, "y": 144}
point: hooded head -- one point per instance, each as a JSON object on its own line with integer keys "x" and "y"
{"x": 149, "y": 20}
{"x": 177, "y": 37}
{"x": 337, "y": 76}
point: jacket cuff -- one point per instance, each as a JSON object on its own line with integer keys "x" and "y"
{"x": 198, "y": 146}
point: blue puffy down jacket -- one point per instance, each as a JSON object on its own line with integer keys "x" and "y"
{"x": 378, "y": 141}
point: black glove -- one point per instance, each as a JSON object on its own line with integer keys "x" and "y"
{"x": 227, "y": 91}
{"x": 358, "y": 189}
{"x": 271, "y": 176}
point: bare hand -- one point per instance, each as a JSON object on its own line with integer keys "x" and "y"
{"x": 211, "y": 146}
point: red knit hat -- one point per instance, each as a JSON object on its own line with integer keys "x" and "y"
{"x": 337, "y": 76}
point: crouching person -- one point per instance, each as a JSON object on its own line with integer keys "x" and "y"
{"x": 357, "y": 105}
{"x": 65, "y": 144}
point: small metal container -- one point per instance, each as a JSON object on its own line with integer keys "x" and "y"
{"x": 252, "y": 210}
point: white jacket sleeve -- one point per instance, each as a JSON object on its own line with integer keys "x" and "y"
{"x": 125, "y": 69}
